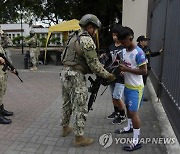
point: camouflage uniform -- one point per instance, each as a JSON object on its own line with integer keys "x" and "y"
{"x": 74, "y": 89}
{"x": 32, "y": 42}
{"x": 3, "y": 79}
{"x": 3, "y": 85}
{"x": 75, "y": 95}
{"x": 6, "y": 42}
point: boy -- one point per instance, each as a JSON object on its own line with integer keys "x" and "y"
{"x": 134, "y": 67}
{"x": 117, "y": 87}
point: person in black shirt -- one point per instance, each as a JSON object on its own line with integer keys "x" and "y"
{"x": 117, "y": 87}
{"x": 143, "y": 44}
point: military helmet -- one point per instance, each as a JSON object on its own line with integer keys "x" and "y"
{"x": 32, "y": 32}
{"x": 89, "y": 18}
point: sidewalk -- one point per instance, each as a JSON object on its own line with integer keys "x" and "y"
{"x": 36, "y": 122}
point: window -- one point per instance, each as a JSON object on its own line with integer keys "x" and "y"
{"x": 43, "y": 35}
{"x": 58, "y": 35}
{"x": 9, "y": 36}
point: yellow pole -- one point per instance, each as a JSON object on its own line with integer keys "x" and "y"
{"x": 49, "y": 34}
{"x": 97, "y": 40}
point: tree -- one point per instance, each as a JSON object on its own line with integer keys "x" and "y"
{"x": 11, "y": 10}
{"x": 108, "y": 11}
{"x": 8, "y": 12}
{"x": 54, "y": 10}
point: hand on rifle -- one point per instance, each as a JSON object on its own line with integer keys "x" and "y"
{"x": 2, "y": 61}
{"x": 13, "y": 71}
{"x": 111, "y": 78}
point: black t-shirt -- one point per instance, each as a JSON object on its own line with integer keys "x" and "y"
{"x": 148, "y": 54}
{"x": 115, "y": 56}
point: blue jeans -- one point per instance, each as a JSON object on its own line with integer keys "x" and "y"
{"x": 117, "y": 90}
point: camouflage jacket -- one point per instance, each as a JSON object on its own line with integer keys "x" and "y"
{"x": 6, "y": 42}
{"x": 86, "y": 59}
{"x": 1, "y": 66}
{"x": 33, "y": 42}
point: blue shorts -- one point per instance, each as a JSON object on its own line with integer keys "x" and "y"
{"x": 117, "y": 90}
{"x": 133, "y": 98}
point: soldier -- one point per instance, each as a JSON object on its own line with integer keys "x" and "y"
{"x": 33, "y": 43}
{"x": 80, "y": 58}
{"x": 143, "y": 44}
{"x": 3, "y": 85}
{"x": 6, "y": 43}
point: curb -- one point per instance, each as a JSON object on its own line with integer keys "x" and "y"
{"x": 164, "y": 123}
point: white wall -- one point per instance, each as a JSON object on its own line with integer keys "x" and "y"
{"x": 40, "y": 30}
{"x": 17, "y": 26}
{"x": 135, "y": 16}
{"x": 13, "y": 30}
{"x": 25, "y": 27}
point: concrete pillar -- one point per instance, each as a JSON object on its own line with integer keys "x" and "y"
{"x": 135, "y": 16}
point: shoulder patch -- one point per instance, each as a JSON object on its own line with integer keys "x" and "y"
{"x": 88, "y": 43}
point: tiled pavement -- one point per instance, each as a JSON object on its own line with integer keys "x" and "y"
{"x": 36, "y": 122}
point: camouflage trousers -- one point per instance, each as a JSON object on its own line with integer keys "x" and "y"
{"x": 75, "y": 95}
{"x": 33, "y": 56}
{"x": 3, "y": 86}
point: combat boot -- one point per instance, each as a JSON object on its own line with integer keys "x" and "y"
{"x": 66, "y": 130}
{"x": 4, "y": 120}
{"x": 5, "y": 112}
{"x": 82, "y": 141}
{"x": 34, "y": 68}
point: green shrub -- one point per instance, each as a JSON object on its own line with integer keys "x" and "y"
{"x": 17, "y": 39}
{"x": 55, "y": 40}
{"x": 43, "y": 41}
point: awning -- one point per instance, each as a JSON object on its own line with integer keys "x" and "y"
{"x": 71, "y": 25}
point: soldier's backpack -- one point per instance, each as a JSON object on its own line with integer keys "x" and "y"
{"x": 72, "y": 49}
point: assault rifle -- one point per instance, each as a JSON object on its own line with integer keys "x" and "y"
{"x": 93, "y": 89}
{"x": 95, "y": 84}
{"x": 8, "y": 65}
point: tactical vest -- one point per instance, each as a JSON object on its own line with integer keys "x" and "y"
{"x": 73, "y": 53}
{"x": 33, "y": 43}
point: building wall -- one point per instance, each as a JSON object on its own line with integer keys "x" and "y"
{"x": 14, "y": 30}
{"x": 135, "y": 15}
{"x": 43, "y": 32}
